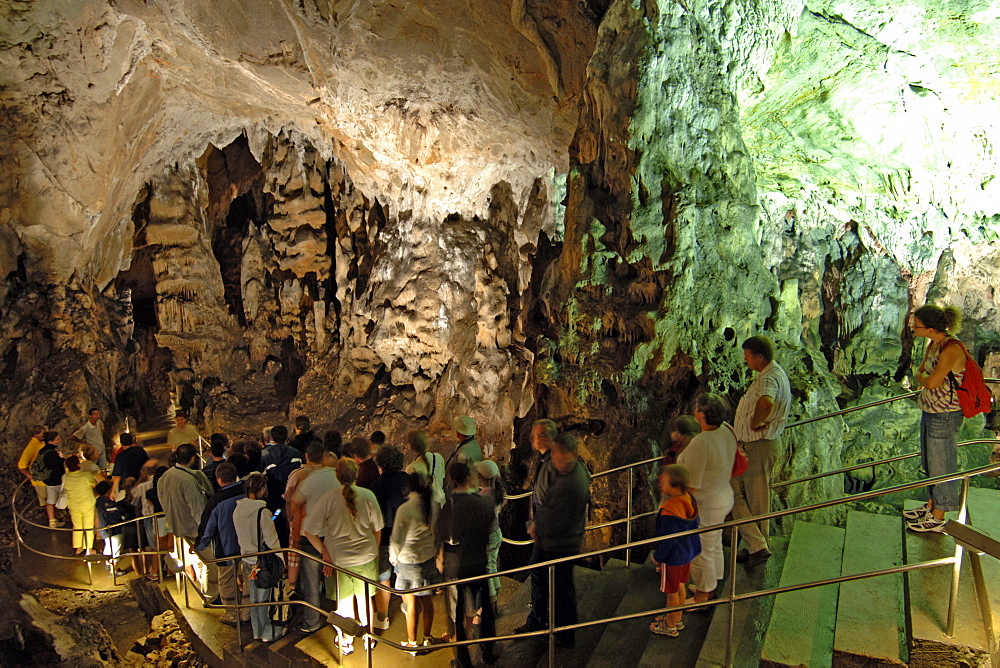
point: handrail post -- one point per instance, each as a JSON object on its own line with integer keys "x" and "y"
{"x": 552, "y": 614}
{"x": 17, "y": 531}
{"x": 956, "y": 573}
{"x": 181, "y": 544}
{"x": 238, "y": 564}
{"x": 628, "y": 524}
{"x": 734, "y": 539}
{"x": 370, "y": 607}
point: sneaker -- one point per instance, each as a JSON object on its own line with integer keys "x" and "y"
{"x": 381, "y": 624}
{"x": 917, "y": 513}
{"x": 56, "y": 524}
{"x": 308, "y": 629}
{"x": 926, "y": 525}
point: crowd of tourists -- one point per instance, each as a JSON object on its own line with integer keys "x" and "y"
{"x": 408, "y": 518}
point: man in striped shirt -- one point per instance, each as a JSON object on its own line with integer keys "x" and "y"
{"x": 760, "y": 419}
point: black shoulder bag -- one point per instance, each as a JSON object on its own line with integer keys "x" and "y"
{"x": 270, "y": 568}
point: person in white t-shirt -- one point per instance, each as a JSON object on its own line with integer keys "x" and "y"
{"x": 307, "y": 486}
{"x": 345, "y": 526}
{"x": 709, "y": 459}
{"x": 430, "y": 464}
{"x": 92, "y": 432}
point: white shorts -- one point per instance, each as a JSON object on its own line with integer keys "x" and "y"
{"x": 52, "y": 493}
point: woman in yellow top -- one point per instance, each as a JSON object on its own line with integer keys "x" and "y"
{"x": 81, "y": 502}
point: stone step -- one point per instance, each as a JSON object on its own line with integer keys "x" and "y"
{"x": 623, "y": 643}
{"x": 928, "y": 593}
{"x": 597, "y": 592}
{"x": 751, "y": 618}
{"x": 871, "y": 626}
{"x": 801, "y": 628}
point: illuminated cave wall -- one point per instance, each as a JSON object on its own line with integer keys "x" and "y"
{"x": 384, "y": 216}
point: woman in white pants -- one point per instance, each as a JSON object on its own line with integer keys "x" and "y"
{"x": 709, "y": 459}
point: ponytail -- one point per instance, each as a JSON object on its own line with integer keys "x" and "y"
{"x": 947, "y": 319}
{"x": 347, "y": 473}
{"x": 349, "y": 498}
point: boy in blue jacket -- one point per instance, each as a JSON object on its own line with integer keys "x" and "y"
{"x": 678, "y": 513}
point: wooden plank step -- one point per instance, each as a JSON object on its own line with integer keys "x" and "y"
{"x": 871, "y": 624}
{"x": 802, "y": 624}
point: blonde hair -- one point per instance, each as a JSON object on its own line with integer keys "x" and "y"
{"x": 678, "y": 476}
{"x": 347, "y": 473}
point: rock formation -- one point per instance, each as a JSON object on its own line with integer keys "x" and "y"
{"x": 387, "y": 215}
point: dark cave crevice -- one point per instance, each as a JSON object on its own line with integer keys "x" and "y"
{"x": 145, "y": 392}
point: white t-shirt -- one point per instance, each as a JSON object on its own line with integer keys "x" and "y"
{"x": 92, "y": 433}
{"x": 709, "y": 458}
{"x": 309, "y": 491}
{"x": 435, "y": 470}
{"x": 350, "y": 541}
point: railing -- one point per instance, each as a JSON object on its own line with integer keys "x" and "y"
{"x": 887, "y": 460}
{"x": 89, "y": 560}
{"x": 731, "y": 598}
{"x": 732, "y": 527}
{"x": 629, "y": 517}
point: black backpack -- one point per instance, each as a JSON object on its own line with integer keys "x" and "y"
{"x": 284, "y": 459}
{"x": 39, "y": 471}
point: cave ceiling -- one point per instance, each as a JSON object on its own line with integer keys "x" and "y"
{"x": 393, "y": 212}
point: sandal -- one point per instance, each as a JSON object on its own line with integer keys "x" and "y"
{"x": 346, "y": 644}
{"x": 662, "y": 619}
{"x": 413, "y": 644}
{"x": 661, "y": 629}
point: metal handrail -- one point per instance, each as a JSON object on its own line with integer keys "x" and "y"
{"x": 887, "y": 460}
{"x": 733, "y": 526}
{"x": 630, "y": 467}
{"x": 869, "y": 405}
{"x": 732, "y": 598}
{"x": 88, "y": 559}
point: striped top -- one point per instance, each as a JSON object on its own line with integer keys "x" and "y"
{"x": 943, "y": 398}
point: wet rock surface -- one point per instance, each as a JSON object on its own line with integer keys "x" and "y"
{"x": 385, "y": 216}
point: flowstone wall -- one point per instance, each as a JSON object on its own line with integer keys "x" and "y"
{"x": 387, "y": 216}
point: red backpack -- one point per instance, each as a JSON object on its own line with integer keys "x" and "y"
{"x": 973, "y": 395}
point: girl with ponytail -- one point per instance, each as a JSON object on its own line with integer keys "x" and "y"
{"x": 413, "y": 551}
{"x": 345, "y": 527}
{"x": 940, "y": 372}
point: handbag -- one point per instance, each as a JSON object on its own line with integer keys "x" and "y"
{"x": 740, "y": 461}
{"x": 62, "y": 501}
{"x": 270, "y": 568}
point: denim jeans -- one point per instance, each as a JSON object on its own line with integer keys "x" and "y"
{"x": 260, "y": 618}
{"x": 939, "y": 454}
{"x": 310, "y": 585}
